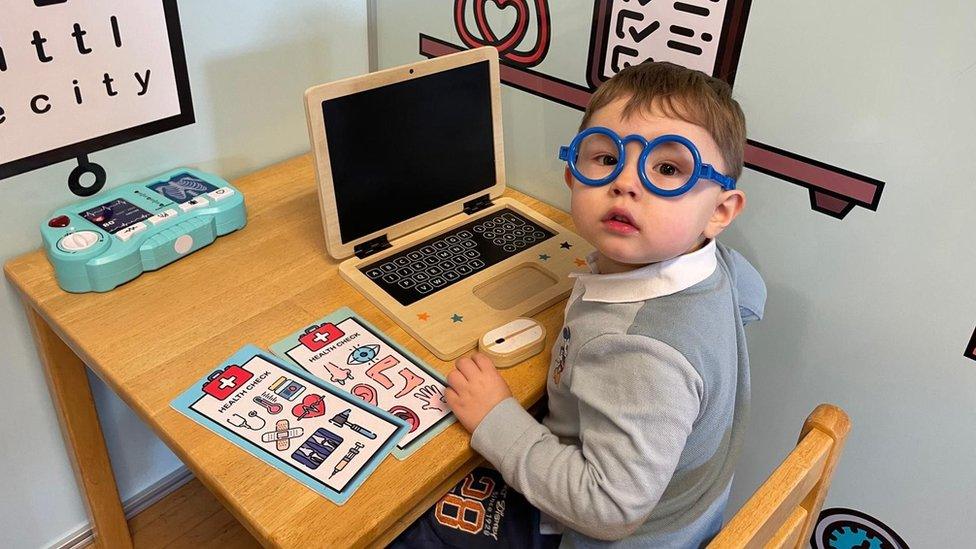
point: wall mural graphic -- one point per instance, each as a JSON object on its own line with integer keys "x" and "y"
{"x": 971, "y": 348}
{"x": 705, "y": 35}
{"x": 81, "y": 76}
{"x": 840, "y": 528}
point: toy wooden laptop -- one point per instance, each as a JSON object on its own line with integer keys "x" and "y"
{"x": 410, "y": 169}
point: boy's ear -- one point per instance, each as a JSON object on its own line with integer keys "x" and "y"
{"x": 568, "y": 177}
{"x": 730, "y": 205}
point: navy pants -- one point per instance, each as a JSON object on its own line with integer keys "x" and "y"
{"x": 481, "y": 511}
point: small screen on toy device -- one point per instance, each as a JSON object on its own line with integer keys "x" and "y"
{"x": 116, "y": 215}
{"x": 183, "y": 188}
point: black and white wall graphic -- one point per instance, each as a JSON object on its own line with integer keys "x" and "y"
{"x": 78, "y": 76}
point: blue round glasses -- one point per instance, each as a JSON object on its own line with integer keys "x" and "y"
{"x": 670, "y": 165}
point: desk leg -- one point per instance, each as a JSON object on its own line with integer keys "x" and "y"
{"x": 68, "y": 383}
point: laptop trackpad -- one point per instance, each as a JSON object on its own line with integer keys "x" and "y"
{"x": 514, "y": 286}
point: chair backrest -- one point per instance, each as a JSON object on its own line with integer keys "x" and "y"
{"x": 785, "y": 508}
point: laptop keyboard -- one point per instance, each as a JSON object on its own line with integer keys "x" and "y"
{"x": 449, "y": 258}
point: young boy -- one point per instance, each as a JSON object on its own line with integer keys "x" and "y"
{"x": 649, "y": 380}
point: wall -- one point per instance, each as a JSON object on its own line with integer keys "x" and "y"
{"x": 871, "y": 312}
{"x": 249, "y": 63}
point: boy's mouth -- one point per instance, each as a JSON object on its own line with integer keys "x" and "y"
{"x": 618, "y": 220}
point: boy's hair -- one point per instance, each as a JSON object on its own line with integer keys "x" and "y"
{"x": 682, "y": 93}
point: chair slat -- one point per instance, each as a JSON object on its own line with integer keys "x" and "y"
{"x": 784, "y": 490}
{"x": 788, "y": 537}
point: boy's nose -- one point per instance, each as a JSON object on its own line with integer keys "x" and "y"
{"x": 628, "y": 183}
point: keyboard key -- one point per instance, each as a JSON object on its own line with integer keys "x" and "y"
{"x": 476, "y": 264}
{"x": 456, "y": 250}
{"x": 431, "y": 260}
{"x": 421, "y": 277}
{"x": 508, "y": 237}
{"x": 447, "y": 264}
{"x": 427, "y": 250}
{"x": 418, "y": 265}
{"x": 374, "y": 273}
{"x": 453, "y": 239}
{"x": 519, "y": 244}
{"x": 508, "y": 247}
{"x": 401, "y": 261}
{"x": 451, "y": 276}
{"x": 498, "y": 242}
{"x": 404, "y": 271}
{"x": 469, "y": 244}
{"x": 444, "y": 254}
{"x": 424, "y": 288}
{"x": 388, "y": 267}
{"x": 539, "y": 234}
{"x": 478, "y": 228}
{"x": 437, "y": 282}
{"x": 415, "y": 255}
{"x": 490, "y": 234}
{"x": 472, "y": 253}
{"x": 508, "y": 226}
{"x": 434, "y": 270}
{"x": 464, "y": 234}
{"x": 440, "y": 245}
{"x": 406, "y": 283}
{"x": 391, "y": 278}
{"x": 463, "y": 270}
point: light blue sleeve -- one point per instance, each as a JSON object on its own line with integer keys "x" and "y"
{"x": 638, "y": 399}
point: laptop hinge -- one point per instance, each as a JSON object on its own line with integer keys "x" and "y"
{"x": 370, "y": 247}
{"x": 477, "y": 204}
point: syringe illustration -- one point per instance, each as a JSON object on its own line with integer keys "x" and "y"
{"x": 342, "y": 420}
{"x": 346, "y": 459}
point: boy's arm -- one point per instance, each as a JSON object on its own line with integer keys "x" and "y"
{"x": 638, "y": 399}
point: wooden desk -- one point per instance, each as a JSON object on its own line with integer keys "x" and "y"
{"x": 154, "y": 337}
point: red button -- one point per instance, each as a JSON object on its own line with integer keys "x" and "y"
{"x": 60, "y": 221}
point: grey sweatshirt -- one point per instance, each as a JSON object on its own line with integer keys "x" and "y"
{"x": 648, "y": 394}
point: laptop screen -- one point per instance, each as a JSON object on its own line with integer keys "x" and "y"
{"x": 401, "y": 150}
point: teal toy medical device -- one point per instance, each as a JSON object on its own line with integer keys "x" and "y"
{"x": 97, "y": 244}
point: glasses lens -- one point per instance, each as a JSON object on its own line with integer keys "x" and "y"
{"x": 597, "y": 156}
{"x": 669, "y": 165}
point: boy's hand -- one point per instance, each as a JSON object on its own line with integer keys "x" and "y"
{"x": 475, "y": 387}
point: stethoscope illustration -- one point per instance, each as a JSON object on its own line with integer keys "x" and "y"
{"x": 241, "y": 421}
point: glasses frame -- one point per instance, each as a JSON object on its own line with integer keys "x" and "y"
{"x": 700, "y": 171}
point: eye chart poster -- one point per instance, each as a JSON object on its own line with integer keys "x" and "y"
{"x": 705, "y": 35}
{"x": 321, "y": 437}
{"x": 78, "y": 76}
{"x": 352, "y": 355}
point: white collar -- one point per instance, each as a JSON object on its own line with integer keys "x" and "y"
{"x": 654, "y": 280}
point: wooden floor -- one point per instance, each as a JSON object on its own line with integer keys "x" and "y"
{"x": 189, "y": 517}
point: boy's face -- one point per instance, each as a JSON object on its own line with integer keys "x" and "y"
{"x": 656, "y": 228}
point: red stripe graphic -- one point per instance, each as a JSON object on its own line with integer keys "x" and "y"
{"x": 833, "y": 191}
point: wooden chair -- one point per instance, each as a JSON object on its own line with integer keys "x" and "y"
{"x": 785, "y": 508}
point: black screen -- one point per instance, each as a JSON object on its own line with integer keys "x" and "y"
{"x": 402, "y": 150}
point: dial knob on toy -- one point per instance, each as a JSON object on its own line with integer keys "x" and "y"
{"x": 78, "y": 241}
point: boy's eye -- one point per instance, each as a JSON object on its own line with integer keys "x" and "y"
{"x": 667, "y": 169}
{"x": 606, "y": 160}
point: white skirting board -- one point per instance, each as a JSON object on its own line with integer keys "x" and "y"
{"x": 135, "y": 505}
